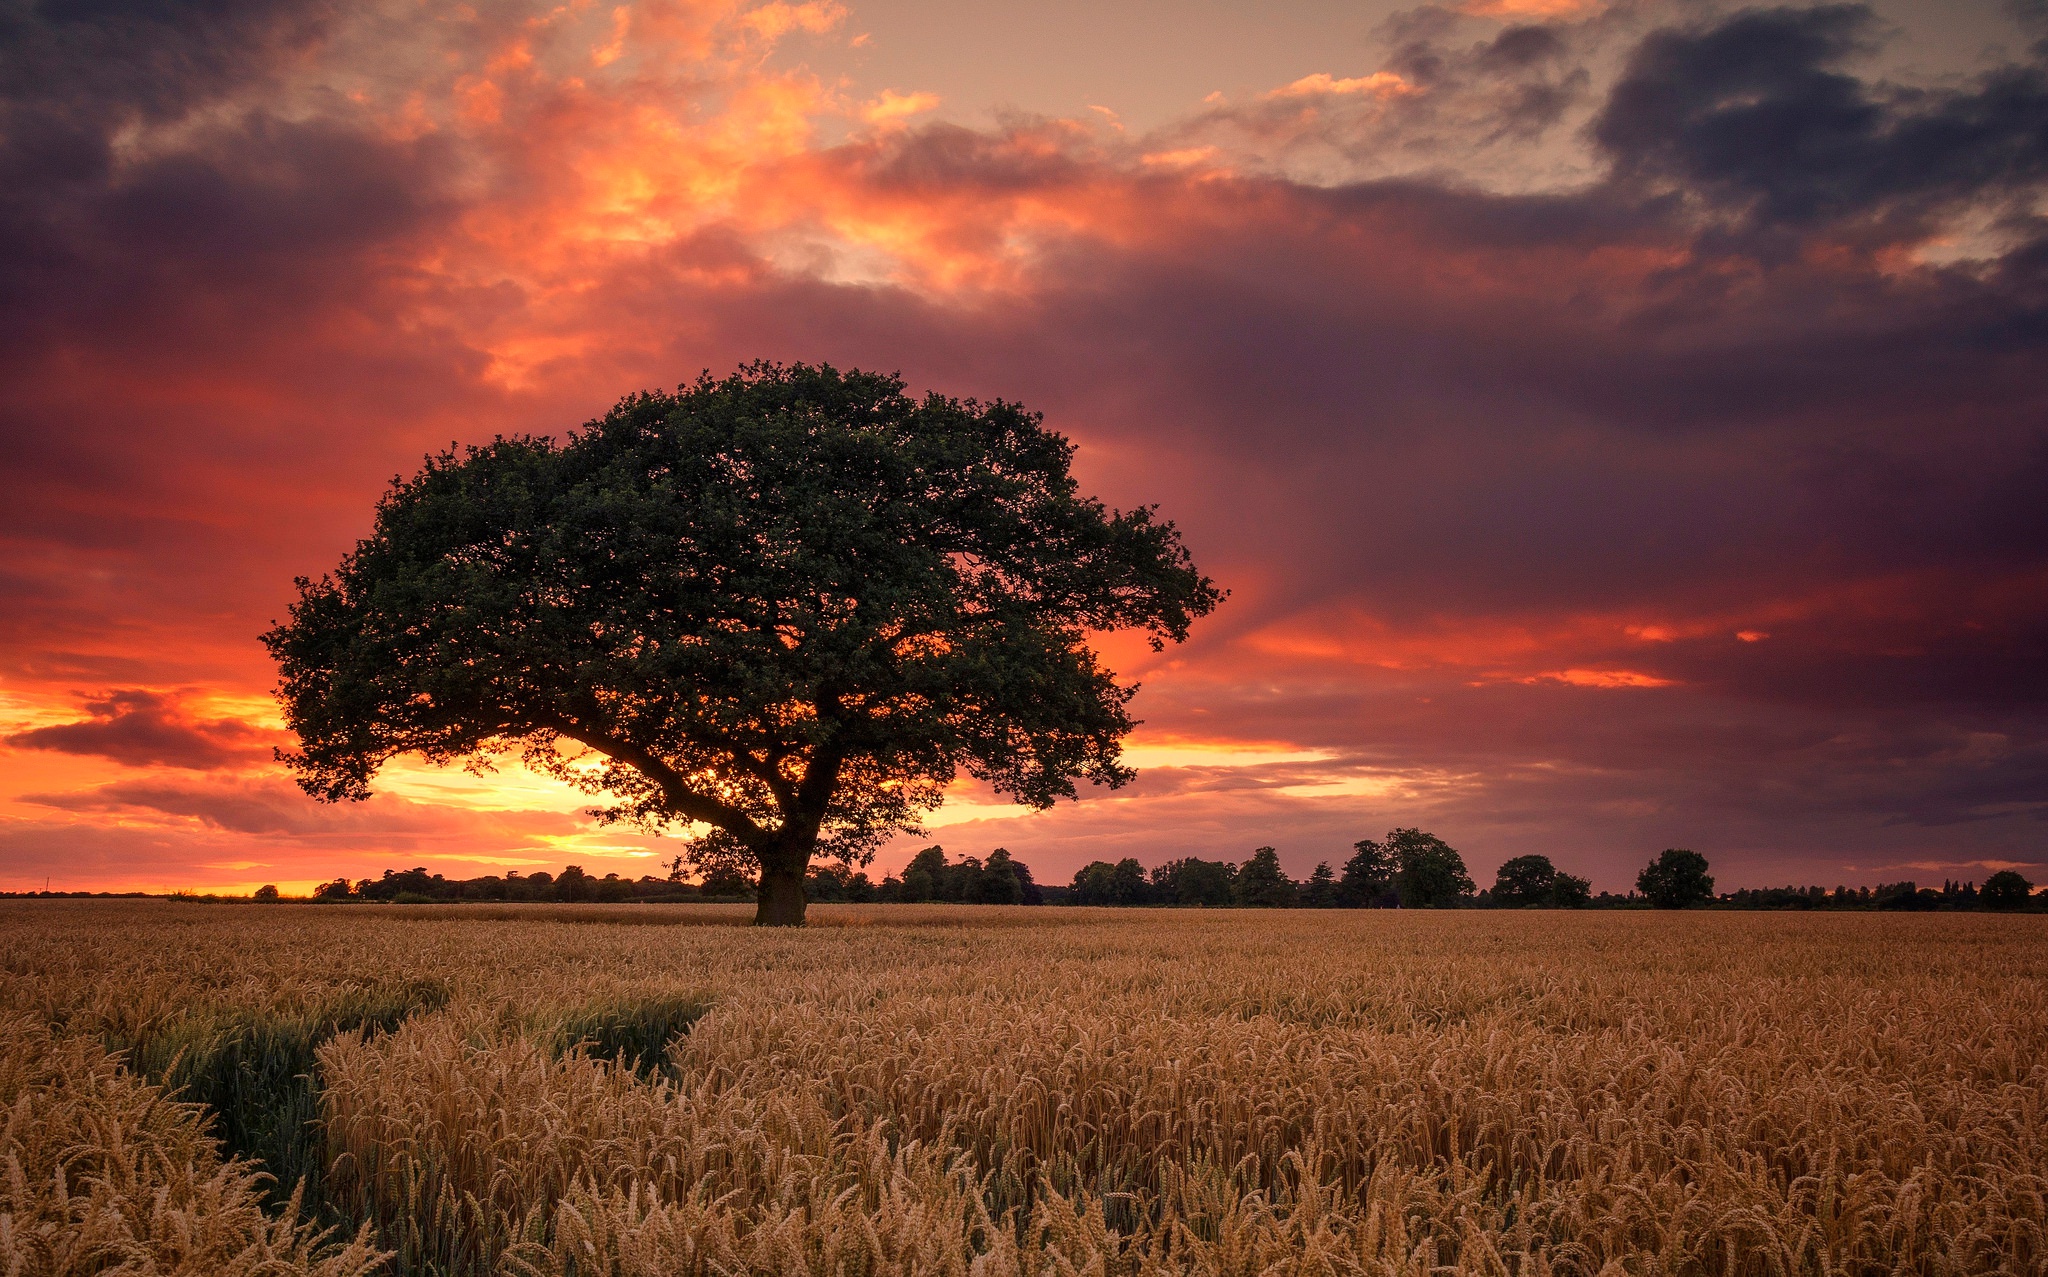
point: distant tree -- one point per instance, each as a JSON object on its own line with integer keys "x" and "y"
{"x": 826, "y": 884}
{"x": 788, "y": 607}
{"x": 1676, "y": 879}
{"x": 2006, "y": 890}
{"x": 404, "y": 885}
{"x": 1569, "y": 891}
{"x": 961, "y": 883}
{"x": 1906, "y": 897}
{"x": 1194, "y": 883}
{"x": 1524, "y": 882}
{"x": 924, "y": 878}
{"x": 266, "y": 894}
{"x": 1095, "y": 883}
{"x": 1101, "y": 883}
{"x": 1320, "y": 891}
{"x": 1430, "y": 874}
{"x": 1029, "y": 892}
{"x": 1261, "y": 884}
{"x": 1368, "y": 877}
{"x": 329, "y": 892}
{"x": 1128, "y": 883}
{"x": 574, "y": 884}
{"x": 999, "y": 882}
{"x": 724, "y": 880}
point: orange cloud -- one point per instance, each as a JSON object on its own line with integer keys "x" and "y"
{"x": 1524, "y": 10}
{"x": 1380, "y": 84}
{"x": 891, "y": 106}
{"x": 1603, "y": 678}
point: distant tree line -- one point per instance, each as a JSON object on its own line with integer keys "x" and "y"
{"x": 47, "y": 894}
{"x": 1411, "y": 869}
{"x": 417, "y": 886}
{"x": 929, "y": 876}
{"x": 1408, "y": 869}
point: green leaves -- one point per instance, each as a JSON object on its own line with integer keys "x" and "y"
{"x": 788, "y": 605}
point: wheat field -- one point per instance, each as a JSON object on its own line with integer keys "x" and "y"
{"x": 922, "y": 1089}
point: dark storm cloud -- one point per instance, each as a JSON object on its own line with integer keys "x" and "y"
{"x": 76, "y": 75}
{"x": 1451, "y": 93}
{"x": 1525, "y": 77}
{"x": 141, "y": 728}
{"x": 1757, "y": 115}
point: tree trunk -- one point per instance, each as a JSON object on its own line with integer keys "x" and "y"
{"x": 781, "y": 899}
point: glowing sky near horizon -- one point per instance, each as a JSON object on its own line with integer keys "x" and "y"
{"x": 1620, "y": 425}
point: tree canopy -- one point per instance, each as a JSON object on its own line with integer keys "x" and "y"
{"x": 1261, "y": 884}
{"x": 1368, "y": 877}
{"x": 786, "y": 607}
{"x": 2007, "y": 889}
{"x": 1533, "y": 882}
{"x": 1429, "y": 873}
{"x": 1677, "y": 878}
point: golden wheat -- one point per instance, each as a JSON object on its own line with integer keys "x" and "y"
{"x": 990, "y": 1091}
{"x": 100, "y": 1174}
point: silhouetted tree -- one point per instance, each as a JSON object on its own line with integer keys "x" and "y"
{"x": 1527, "y": 882}
{"x": 266, "y": 894}
{"x": 1569, "y": 891}
{"x": 1676, "y": 879}
{"x": 1261, "y": 884}
{"x": 574, "y": 884}
{"x": 1193, "y": 882}
{"x": 999, "y": 884}
{"x": 789, "y": 607}
{"x": 1030, "y": 892}
{"x": 405, "y": 885}
{"x": 1524, "y": 882}
{"x": 1101, "y": 883}
{"x": 2006, "y": 890}
{"x": 1905, "y": 897}
{"x": 724, "y": 880}
{"x": 1320, "y": 891}
{"x": 330, "y": 892}
{"x": 1368, "y": 877}
{"x": 924, "y": 878}
{"x": 1095, "y": 884}
{"x": 1128, "y": 883}
{"x": 1430, "y": 874}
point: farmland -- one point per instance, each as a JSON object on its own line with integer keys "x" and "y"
{"x": 639, "y": 1090}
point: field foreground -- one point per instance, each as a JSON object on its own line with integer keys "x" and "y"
{"x": 643, "y": 1090}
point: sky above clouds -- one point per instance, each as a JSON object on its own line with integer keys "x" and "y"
{"x": 1619, "y": 425}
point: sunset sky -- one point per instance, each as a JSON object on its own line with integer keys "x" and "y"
{"x": 1620, "y": 426}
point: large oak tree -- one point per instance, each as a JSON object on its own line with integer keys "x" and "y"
{"x": 784, "y": 608}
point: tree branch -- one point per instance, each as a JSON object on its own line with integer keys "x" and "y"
{"x": 680, "y": 796}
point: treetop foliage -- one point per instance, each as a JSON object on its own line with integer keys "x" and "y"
{"x": 1676, "y": 879}
{"x": 1527, "y": 882}
{"x": 789, "y": 605}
